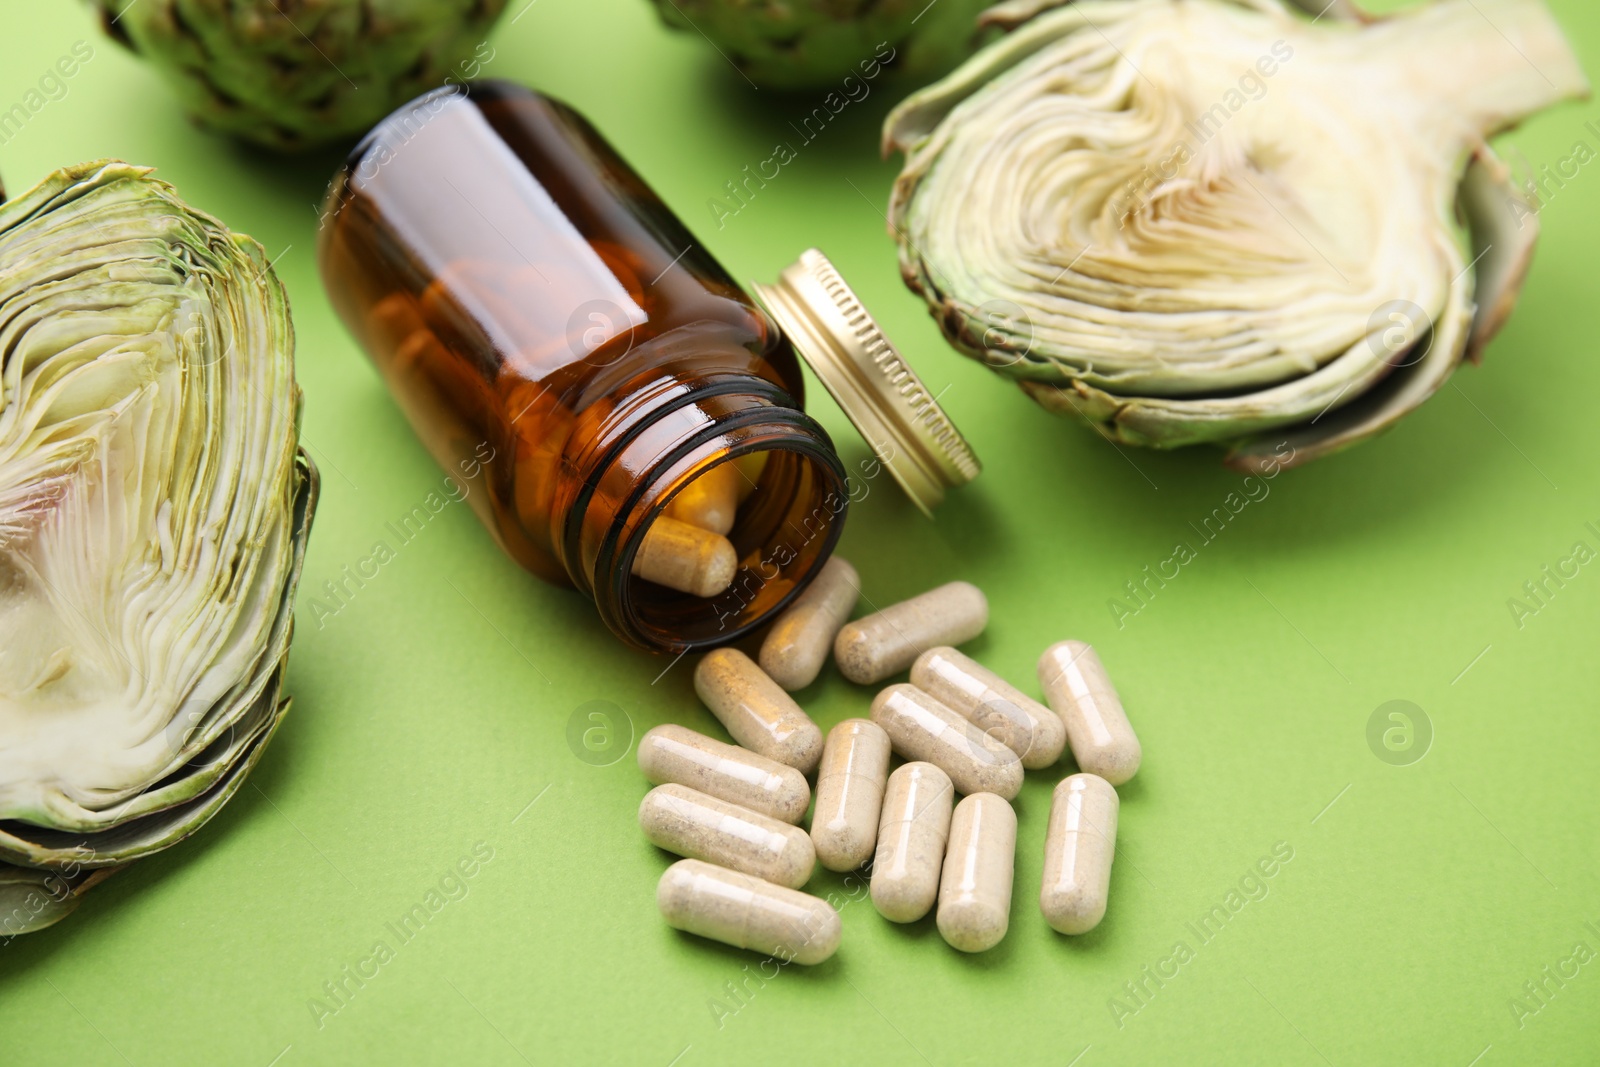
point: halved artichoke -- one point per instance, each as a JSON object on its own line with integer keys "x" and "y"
{"x": 798, "y": 44}
{"x": 1219, "y": 221}
{"x": 290, "y": 74}
{"x": 154, "y": 510}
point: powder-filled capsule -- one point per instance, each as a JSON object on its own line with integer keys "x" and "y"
{"x": 975, "y": 887}
{"x": 992, "y": 704}
{"x": 748, "y": 913}
{"x": 759, "y": 715}
{"x": 694, "y": 824}
{"x": 911, "y": 841}
{"x": 672, "y": 753}
{"x": 710, "y": 501}
{"x": 921, "y": 728}
{"x": 1076, "y": 685}
{"x": 797, "y": 645}
{"x": 850, "y": 781}
{"x": 1079, "y": 845}
{"x": 686, "y": 558}
{"x": 879, "y": 645}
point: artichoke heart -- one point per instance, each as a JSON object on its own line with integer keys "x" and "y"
{"x": 154, "y": 510}
{"x": 1223, "y": 221}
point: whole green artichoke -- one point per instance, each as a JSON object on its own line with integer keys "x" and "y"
{"x": 154, "y": 510}
{"x": 290, "y": 74}
{"x": 798, "y": 44}
{"x": 1223, "y": 221}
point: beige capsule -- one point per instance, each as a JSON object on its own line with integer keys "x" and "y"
{"x": 850, "y": 781}
{"x": 797, "y": 645}
{"x": 759, "y": 715}
{"x": 911, "y": 840}
{"x": 686, "y": 558}
{"x": 921, "y": 728}
{"x": 695, "y": 824}
{"x": 975, "y": 887}
{"x": 992, "y": 704}
{"x": 879, "y": 645}
{"x": 748, "y": 913}
{"x": 672, "y": 753}
{"x": 1076, "y": 685}
{"x": 1079, "y": 845}
{"x": 710, "y": 501}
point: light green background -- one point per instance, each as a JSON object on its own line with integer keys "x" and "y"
{"x": 433, "y": 709}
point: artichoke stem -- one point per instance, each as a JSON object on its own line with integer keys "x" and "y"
{"x": 1488, "y": 63}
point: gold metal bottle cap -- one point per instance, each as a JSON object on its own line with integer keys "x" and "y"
{"x": 871, "y": 381}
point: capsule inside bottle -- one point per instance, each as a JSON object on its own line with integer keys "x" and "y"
{"x": 685, "y": 548}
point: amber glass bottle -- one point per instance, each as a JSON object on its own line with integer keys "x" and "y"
{"x": 528, "y": 299}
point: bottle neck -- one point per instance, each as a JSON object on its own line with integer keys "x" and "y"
{"x": 667, "y": 434}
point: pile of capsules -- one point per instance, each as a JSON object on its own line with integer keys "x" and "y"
{"x": 732, "y": 810}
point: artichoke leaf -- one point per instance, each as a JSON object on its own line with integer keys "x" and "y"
{"x": 1503, "y": 219}
{"x": 32, "y": 899}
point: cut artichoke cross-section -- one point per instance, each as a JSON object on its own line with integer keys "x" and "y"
{"x": 1195, "y": 221}
{"x": 153, "y": 517}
